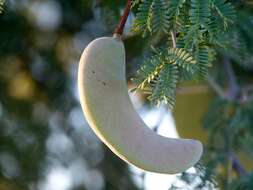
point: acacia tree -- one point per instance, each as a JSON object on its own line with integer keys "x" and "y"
{"x": 204, "y": 40}
{"x": 209, "y": 41}
{"x": 182, "y": 40}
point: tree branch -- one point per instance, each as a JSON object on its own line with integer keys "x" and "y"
{"x": 174, "y": 38}
{"x": 216, "y": 87}
{"x": 233, "y": 87}
{"x": 120, "y": 28}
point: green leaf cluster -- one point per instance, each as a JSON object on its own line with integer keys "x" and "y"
{"x": 196, "y": 26}
{"x": 160, "y": 74}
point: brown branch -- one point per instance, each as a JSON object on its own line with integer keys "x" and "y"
{"x": 235, "y": 92}
{"x": 120, "y": 28}
{"x": 174, "y": 38}
{"x": 216, "y": 87}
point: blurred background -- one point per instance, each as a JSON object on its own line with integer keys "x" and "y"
{"x": 45, "y": 142}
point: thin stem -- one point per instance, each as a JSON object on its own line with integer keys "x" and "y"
{"x": 235, "y": 92}
{"x": 120, "y": 28}
{"x": 174, "y": 38}
{"x": 216, "y": 87}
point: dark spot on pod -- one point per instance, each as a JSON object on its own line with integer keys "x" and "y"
{"x": 93, "y": 72}
{"x": 104, "y": 83}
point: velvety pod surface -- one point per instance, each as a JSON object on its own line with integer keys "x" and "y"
{"x": 110, "y": 113}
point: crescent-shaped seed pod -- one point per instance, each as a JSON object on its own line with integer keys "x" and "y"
{"x": 109, "y": 111}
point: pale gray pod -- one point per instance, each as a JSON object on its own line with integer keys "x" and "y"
{"x": 109, "y": 111}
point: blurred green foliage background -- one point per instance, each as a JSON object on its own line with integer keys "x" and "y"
{"x": 43, "y": 134}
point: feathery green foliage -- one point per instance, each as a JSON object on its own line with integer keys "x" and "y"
{"x": 159, "y": 75}
{"x": 162, "y": 85}
{"x": 181, "y": 58}
{"x": 160, "y": 17}
{"x": 203, "y": 61}
{"x": 143, "y": 17}
{"x": 175, "y": 7}
{"x": 149, "y": 70}
{"x": 200, "y": 12}
{"x": 198, "y": 27}
{"x": 225, "y": 11}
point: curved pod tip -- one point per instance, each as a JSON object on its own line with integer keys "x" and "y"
{"x": 109, "y": 111}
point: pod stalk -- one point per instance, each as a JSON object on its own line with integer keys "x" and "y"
{"x": 120, "y": 28}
